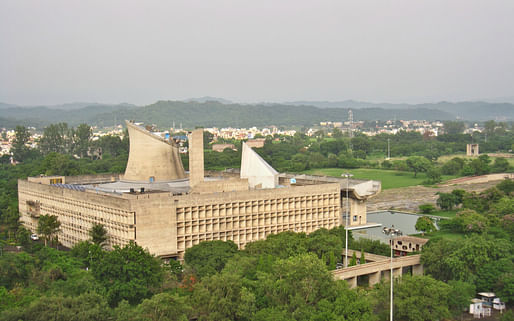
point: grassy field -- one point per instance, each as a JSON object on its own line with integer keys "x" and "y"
{"x": 449, "y": 214}
{"x": 389, "y": 178}
{"x": 446, "y": 158}
{"x": 444, "y": 234}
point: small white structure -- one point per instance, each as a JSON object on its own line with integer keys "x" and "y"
{"x": 259, "y": 173}
{"x": 478, "y": 309}
{"x": 498, "y": 305}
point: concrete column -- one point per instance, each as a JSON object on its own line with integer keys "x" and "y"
{"x": 196, "y": 169}
{"x": 352, "y": 282}
{"x": 374, "y": 278}
{"x": 417, "y": 269}
{"x": 358, "y": 208}
{"x": 387, "y": 275}
{"x": 397, "y": 272}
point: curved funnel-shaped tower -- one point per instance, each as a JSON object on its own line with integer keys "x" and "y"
{"x": 151, "y": 158}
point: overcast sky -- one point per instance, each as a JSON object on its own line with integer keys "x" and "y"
{"x": 263, "y": 50}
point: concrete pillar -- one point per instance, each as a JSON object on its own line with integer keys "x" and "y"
{"x": 352, "y": 282}
{"x": 196, "y": 169}
{"x": 417, "y": 269}
{"x": 397, "y": 272}
{"x": 358, "y": 208}
{"x": 374, "y": 278}
{"x": 387, "y": 275}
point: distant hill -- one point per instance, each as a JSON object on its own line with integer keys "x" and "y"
{"x": 42, "y": 116}
{"x": 211, "y": 113}
{"x": 207, "y": 112}
{"x": 478, "y": 110}
{"x": 208, "y": 98}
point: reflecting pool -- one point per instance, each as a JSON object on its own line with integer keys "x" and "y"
{"x": 405, "y": 222}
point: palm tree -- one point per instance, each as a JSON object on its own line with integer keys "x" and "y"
{"x": 98, "y": 234}
{"x": 48, "y": 226}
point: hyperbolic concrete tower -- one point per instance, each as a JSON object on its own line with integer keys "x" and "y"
{"x": 151, "y": 157}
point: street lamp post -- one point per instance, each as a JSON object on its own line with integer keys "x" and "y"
{"x": 391, "y": 232}
{"x": 347, "y": 175}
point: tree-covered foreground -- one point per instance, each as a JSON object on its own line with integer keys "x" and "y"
{"x": 285, "y": 277}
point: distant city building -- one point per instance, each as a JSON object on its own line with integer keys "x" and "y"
{"x": 222, "y": 147}
{"x": 162, "y": 208}
{"x": 256, "y": 143}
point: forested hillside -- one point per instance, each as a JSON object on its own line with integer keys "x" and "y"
{"x": 218, "y": 114}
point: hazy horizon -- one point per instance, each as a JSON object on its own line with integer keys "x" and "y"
{"x": 57, "y": 51}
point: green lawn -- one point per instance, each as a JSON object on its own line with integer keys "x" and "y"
{"x": 389, "y": 178}
{"x": 449, "y": 214}
{"x": 444, "y": 234}
{"x": 446, "y": 158}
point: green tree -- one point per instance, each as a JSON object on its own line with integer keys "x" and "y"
{"x": 506, "y": 186}
{"x": 353, "y": 261}
{"x": 453, "y": 127}
{"x": 19, "y": 149}
{"x": 489, "y": 127}
{"x": 446, "y": 201}
{"x": 416, "y": 298}
{"x": 418, "y": 164}
{"x": 337, "y": 133}
{"x": 81, "y": 138}
{"x": 453, "y": 166}
{"x": 296, "y": 283}
{"x": 433, "y": 175}
{"x": 480, "y": 165}
{"x": 48, "y": 226}
{"x": 427, "y": 208}
{"x": 89, "y": 306}
{"x": 164, "y": 307}
{"x": 98, "y": 234}
{"x": 56, "y": 138}
{"x": 460, "y": 259}
{"x": 370, "y": 246}
{"x": 501, "y": 165}
{"x": 324, "y": 244}
{"x": 470, "y": 221}
{"x": 425, "y": 224}
{"x": 223, "y": 296}
{"x": 59, "y": 164}
{"x": 128, "y": 273}
{"x": 460, "y": 297}
{"x": 362, "y": 259}
{"x": 209, "y": 257}
{"x": 281, "y": 246}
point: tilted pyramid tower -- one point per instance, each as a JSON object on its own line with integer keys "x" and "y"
{"x": 256, "y": 170}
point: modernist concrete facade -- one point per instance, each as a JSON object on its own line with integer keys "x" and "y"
{"x": 167, "y": 217}
{"x": 403, "y": 245}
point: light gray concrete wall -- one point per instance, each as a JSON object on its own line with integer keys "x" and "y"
{"x": 151, "y": 156}
{"x": 196, "y": 164}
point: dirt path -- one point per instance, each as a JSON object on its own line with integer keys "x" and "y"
{"x": 409, "y": 198}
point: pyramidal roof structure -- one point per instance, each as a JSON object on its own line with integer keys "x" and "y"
{"x": 256, "y": 170}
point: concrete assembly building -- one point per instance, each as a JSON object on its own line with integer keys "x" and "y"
{"x": 158, "y": 206}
